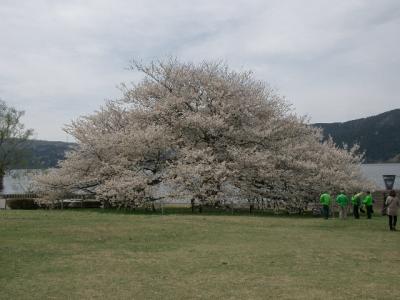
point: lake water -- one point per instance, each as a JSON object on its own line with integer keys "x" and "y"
{"x": 20, "y": 181}
{"x": 374, "y": 173}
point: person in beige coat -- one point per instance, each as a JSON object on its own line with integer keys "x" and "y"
{"x": 392, "y": 203}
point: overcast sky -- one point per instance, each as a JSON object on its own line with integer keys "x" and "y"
{"x": 333, "y": 60}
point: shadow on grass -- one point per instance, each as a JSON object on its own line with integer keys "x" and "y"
{"x": 205, "y": 212}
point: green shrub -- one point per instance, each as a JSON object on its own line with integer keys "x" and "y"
{"x": 21, "y": 203}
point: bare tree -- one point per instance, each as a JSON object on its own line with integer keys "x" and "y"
{"x": 13, "y": 137}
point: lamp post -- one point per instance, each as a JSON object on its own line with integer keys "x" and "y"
{"x": 389, "y": 183}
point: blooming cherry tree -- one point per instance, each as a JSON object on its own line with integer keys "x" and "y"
{"x": 204, "y": 133}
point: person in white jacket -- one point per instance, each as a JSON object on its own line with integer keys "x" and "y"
{"x": 392, "y": 203}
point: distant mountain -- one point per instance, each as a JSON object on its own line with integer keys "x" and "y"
{"x": 378, "y": 136}
{"x": 43, "y": 154}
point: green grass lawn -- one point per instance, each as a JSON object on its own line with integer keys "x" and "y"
{"x": 95, "y": 255}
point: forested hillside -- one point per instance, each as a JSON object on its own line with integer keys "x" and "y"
{"x": 378, "y": 136}
{"x": 42, "y": 154}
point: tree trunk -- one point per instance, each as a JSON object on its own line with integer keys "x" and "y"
{"x": 192, "y": 204}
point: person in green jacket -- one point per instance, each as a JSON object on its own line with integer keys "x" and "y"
{"x": 342, "y": 200}
{"x": 356, "y": 201}
{"x": 368, "y": 204}
{"x": 325, "y": 200}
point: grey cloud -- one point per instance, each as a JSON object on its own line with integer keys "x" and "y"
{"x": 334, "y": 61}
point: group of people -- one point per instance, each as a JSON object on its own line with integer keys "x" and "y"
{"x": 342, "y": 200}
{"x": 358, "y": 201}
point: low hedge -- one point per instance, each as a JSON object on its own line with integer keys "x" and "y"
{"x": 82, "y": 204}
{"x": 21, "y": 204}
